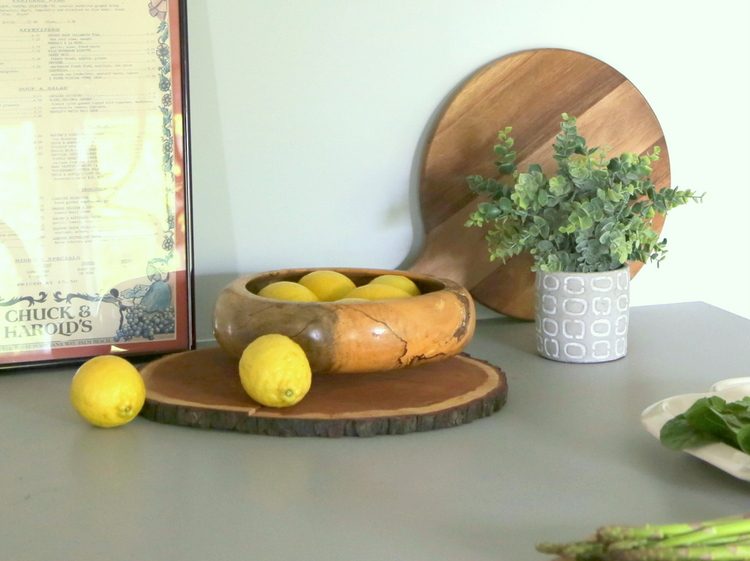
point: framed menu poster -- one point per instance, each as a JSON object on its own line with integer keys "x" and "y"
{"x": 95, "y": 253}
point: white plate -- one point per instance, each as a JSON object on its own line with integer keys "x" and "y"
{"x": 721, "y": 455}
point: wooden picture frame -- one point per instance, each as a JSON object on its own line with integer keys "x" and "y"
{"x": 95, "y": 218}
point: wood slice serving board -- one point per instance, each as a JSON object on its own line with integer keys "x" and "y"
{"x": 202, "y": 389}
{"x": 529, "y": 91}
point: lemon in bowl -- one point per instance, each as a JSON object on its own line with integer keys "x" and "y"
{"x": 327, "y": 285}
{"x": 401, "y": 282}
{"x": 289, "y": 291}
{"x": 377, "y": 292}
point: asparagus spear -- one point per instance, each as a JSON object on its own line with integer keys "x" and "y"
{"x": 742, "y": 539}
{"x": 583, "y": 550}
{"x": 609, "y": 534}
{"x": 734, "y": 528}
{"x": 723, "y": 539}
{"x": 688, "y": 553}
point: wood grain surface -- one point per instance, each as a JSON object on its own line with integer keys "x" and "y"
{"x": 202, "y": 389}
{"x": 529, "y": 91}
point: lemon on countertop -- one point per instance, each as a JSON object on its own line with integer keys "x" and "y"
{"x": 399, "y": 281}
{"x": 327, "y": 285}
{"x": 287, "y": 290}
{"x": 377, "y": 292}
{"x": 107, "y": 391}
{"x": 274, "y": 371}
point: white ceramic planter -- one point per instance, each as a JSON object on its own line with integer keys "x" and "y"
{"x": 583, "y": 317}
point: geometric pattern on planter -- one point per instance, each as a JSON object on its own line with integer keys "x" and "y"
{"x": 583, "y": 317}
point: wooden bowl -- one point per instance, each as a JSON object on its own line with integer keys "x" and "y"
{"x": 366, "y": 336}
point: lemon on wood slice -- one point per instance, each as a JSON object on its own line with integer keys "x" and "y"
{"x": 274, "y": 371}
{"x": 287, "y": 290}
{"x": 399, "y": 281}
{"x": 327, "y": 285}
{"x": 377, "y": 292}
{"x": 107, "y": 391}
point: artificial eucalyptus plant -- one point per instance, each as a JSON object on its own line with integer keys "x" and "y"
{"x": 595, "y": 214}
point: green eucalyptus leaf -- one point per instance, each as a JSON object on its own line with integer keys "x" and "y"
{"x": 594, "y": 214}
{"x": 559, "y": 185}
{"x": 490, "y": 211}
{"x": 506, "y": 205}
{"x": 542, "y": 197}
{"x": 476, "y": 183}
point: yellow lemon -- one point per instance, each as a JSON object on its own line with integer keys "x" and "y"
{"x": 327, "y": 285}
{"x": 377, "y": 292}
{"x": 286, "y": 290}
{"x": 107, "y": 391}
{"x": 399, "y": 281}
{"x": 274, "y": 371}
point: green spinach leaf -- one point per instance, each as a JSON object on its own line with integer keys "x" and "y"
{"x": 706, "y": 415}
{"x": 743, "y": 439}
{"x": 678, "y": 434}
{"x": 710, "y": 419}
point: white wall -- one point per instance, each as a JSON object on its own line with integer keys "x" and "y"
{"x": 307, "y": 117}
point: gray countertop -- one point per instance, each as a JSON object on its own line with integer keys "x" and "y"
{"x": 566, "y": 454}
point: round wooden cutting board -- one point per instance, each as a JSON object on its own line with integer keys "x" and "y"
{"x": 529, "y": 91}
{"x": 202, "y": 389}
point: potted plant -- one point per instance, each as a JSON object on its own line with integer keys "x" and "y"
{"x": 583, "y": 226}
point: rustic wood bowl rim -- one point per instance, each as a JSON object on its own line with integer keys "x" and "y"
{"x": 427, "y": 284}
